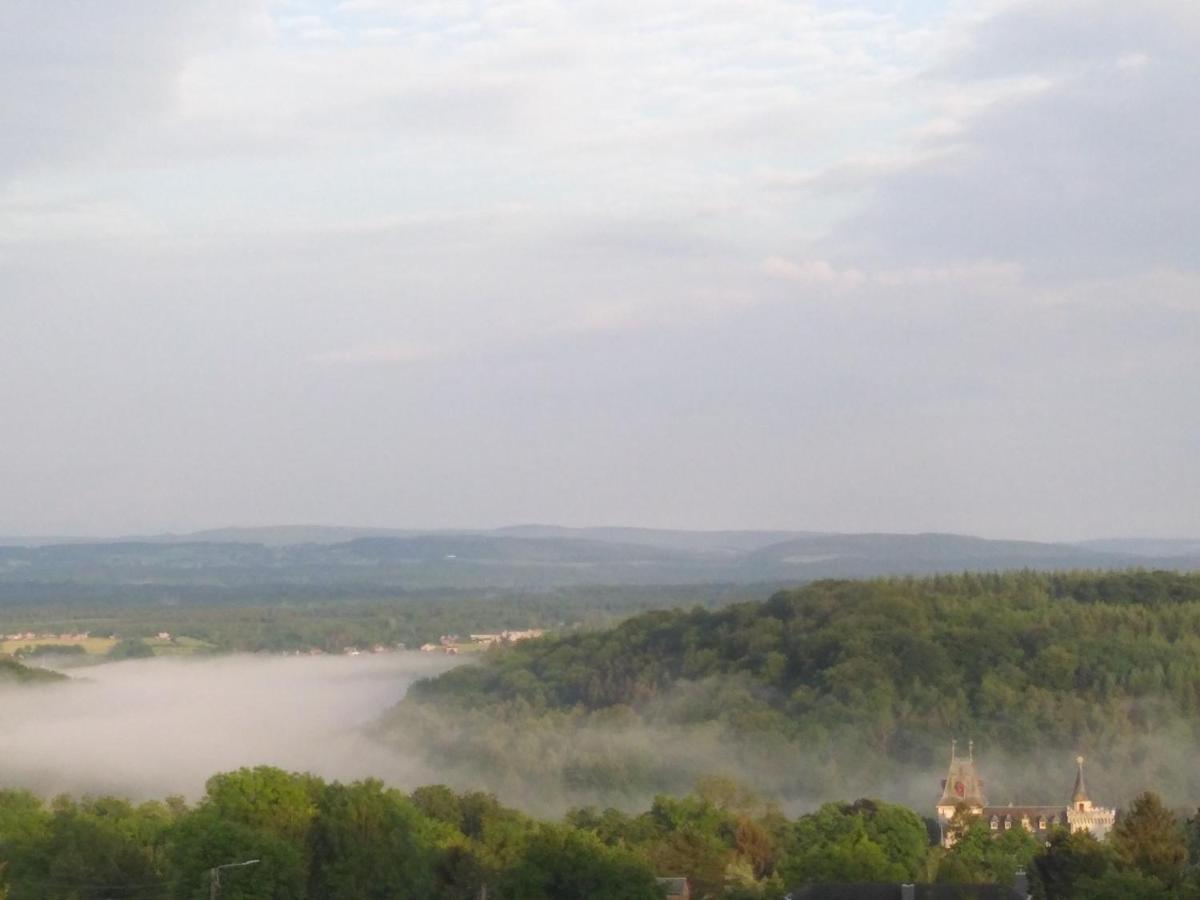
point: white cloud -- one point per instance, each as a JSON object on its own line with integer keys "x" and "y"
{"x": 802, "y": 237}
{"x": 1081, "y": 171}
{"x": 1131, "y": 62}
{"x": 816, "y": 272}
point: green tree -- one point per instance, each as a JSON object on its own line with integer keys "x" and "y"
{"x": 368, "y": 842}
{"x": 204, "y": 839}
{"x": 980, "y": 857}
{"x": 1068, "y": 860}
{"x": 91, "y": 849}
{"x": 130, "y": 648}
{"x": 1128, "y": 885}
{"x": 864, "y": 841}
{"x": 1148, "y": 838}
{"x": 262, "y": 813}
{"x": 266, "y": 798}
{"x": 563, "y": 863}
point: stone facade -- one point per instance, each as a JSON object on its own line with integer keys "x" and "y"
{"x": 963, "y": 790}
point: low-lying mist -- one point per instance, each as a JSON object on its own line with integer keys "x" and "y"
{"x": 150, "y": 728}
{"x": 548, "y": 761}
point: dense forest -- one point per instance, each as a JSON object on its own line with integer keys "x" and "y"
{"x": 311, "y": 839}
{"x": 844, "y": 687}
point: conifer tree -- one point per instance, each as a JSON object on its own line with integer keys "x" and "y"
{"x": 1148, "y": 838}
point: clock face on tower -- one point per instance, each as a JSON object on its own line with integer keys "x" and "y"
{"x": 960, "y": 789}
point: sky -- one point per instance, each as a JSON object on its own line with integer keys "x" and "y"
{"x": 917, "y": 265}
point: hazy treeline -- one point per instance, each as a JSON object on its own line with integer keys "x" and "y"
{"x": 521, "y": 559}
{"x": 294, "y": 620}
{"x": 337, "y": 841}
{"x": 841, "y": 688}
{"x": 13, "y": 672}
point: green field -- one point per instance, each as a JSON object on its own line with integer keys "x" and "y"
{"x": 97, "y": 646}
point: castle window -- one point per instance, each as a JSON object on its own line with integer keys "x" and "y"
{"x": 1007, "y": 823}
{"x": 1041, "y": 822}
{"x": 1081, "y": 807}
{"x": 995, "y": 823}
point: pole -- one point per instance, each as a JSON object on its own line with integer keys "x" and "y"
{"x": 214, "y": 876}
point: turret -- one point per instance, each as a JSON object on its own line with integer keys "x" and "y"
{"x": 962, "y": 784}
{"x": 1080, "y": 801}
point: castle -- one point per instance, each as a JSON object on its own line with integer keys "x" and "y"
{"x": 963, "y": 790}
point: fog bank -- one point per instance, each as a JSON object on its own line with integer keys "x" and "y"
{"x": 148, "y": 728}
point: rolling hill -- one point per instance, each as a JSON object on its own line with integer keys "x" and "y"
{"x": 232, "y": 562}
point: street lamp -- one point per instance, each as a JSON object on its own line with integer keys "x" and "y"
{"x": 214, "y": 875}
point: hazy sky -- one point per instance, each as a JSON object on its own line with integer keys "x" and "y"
{"x": 908, "y": 265}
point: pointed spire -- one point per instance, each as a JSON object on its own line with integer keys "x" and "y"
{"x": 971, "y": 750}
{"x": 1079, "y": 795}
{"x": 953, "y": 749}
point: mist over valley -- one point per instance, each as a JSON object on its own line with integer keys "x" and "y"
{"x": 154, "y": 727}
{"x": 559, "y": 450}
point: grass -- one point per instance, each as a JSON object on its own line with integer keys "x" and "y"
{"x": 180, "y": 646}
{"x": 99, "y": 647}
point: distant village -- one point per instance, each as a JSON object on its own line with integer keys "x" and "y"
{"x": 66, "y": 638}
{"x": 450, "y": 644}
{"x": 453, "y": 644}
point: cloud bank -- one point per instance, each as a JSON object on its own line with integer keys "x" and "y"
{"x": 878, "y": 266}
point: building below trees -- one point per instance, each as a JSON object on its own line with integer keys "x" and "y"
{"x": 963, "y": 796}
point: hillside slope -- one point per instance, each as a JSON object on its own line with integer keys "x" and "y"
{"x": 866, "y": 682}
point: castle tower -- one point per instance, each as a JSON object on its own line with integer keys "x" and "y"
{"x": 1082, "y": 815}
{"x": 1080, "y": 801}
{"x": 962, "y": 788}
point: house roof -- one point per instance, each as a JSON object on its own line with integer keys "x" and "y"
{"x": 1018, "y": 811}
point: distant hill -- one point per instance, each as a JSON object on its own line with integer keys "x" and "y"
{"x": 846, "y": 555}
{"x": 724, "y": 542}
{"x": 278, "y": 535}
{"x": 234, "y": 563}
{"x": 1160, "y": 548}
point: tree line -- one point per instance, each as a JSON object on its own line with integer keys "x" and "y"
{"x": 288, "y": 618}
{"x": 309, "y": 838}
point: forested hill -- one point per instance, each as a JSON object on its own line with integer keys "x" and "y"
{"x": 884, "y": 673}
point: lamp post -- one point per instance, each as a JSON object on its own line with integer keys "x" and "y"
{"x": 214, "y": 875}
